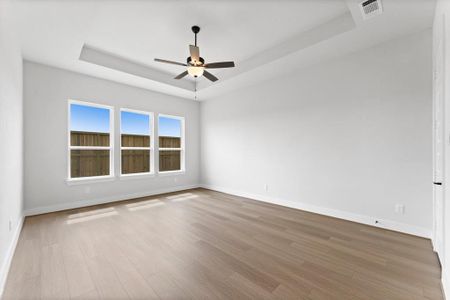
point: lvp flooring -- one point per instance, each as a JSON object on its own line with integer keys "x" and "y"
{"x": 200, "y": 244}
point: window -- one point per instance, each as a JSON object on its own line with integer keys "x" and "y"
{"x": 90, "y": 142}
{"x": 136, "y": 142}
{"x": 171, "y": 143}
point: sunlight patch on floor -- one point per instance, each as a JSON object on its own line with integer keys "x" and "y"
{"x": 144, "y": 204}
{"x": 91, "y": 212}
{"x": 181, "y": 197}
{"x": 92, "y": 217}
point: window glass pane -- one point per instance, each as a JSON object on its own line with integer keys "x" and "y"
{"x": 135, "y": 132}
{"x": 169, "y": 142}
{"x": 86, "y": 163}
{"x": 135, "y": 129}
{"x": 170, "y": 160}
{"x": 169, "y": 132}
{"x": 135, "y": 140}
{"x": 135, "y": 123}
{"x": 135, "y": 161}
{"x": 169, "y": 126}
{"x": 89, "y": 126}
{"x": 83, "y": 138}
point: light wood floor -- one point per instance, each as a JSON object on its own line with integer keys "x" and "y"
{"x": 200, "y": 244}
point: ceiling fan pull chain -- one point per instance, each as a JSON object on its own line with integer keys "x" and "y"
{"x": 195, "y": 91}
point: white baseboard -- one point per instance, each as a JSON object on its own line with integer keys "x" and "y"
{"x": 109, "y": 199}
{"x": 445, "y": 284}
{"x": 368, "y": 220}
{"x": 4, "y": 269}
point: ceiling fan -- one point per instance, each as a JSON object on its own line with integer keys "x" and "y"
{"x": 195, "y": 64}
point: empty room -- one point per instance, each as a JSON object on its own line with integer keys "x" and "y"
{"x": 225, "y": 149}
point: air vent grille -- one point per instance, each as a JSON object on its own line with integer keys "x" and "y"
{"x": 370, "y": 8}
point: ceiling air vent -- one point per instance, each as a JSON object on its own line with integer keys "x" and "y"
{"x": 370, "y": 8}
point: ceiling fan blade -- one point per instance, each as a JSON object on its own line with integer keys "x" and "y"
{"x": 181, "y": 75}
{"x": 195, "y": 53}
{"x": 210, "y": 76}
{"x": 170, "y": 62}
{"x": 219, "y": 65}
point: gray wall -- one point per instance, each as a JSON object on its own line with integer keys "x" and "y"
{"x": 350, "y": 137}
{"x": 46, "y": 92}
{"x": 11, "y": 136}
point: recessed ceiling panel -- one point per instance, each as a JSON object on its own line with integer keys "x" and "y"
{"x": 53, "y": 32}
{"x": 230, "y": 30}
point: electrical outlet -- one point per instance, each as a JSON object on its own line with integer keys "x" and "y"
{"x": 10, "y": 225}
{"x": 400, "y": 209}
{"x": 266, "y": 187}
{"x": 87, "y": 190}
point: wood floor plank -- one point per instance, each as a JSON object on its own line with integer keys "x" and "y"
{"x": 26, "y": 289}
{"x": 78, "y": 276}
{"x": 53, "y": 277}
{"x": 201, "y": 244}
{"x": 105, "y": 279}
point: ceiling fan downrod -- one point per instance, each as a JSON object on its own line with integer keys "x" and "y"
{"x": 195, "y": 30}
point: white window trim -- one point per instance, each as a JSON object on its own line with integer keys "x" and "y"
{"x": 181, "y": 149}
{"x": 171, "y": 173}
{"x": 90, "y": 179}
{"x": 151, "y": 148}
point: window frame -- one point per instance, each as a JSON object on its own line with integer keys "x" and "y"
{"x": 110, "y": 148}
{"x": 151, "y": 148}
{"x": 181, "y": 149}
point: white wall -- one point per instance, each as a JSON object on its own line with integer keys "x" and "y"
{"x": 441, "y": 30}
{"x": 11, "y": 137}
{"x": 46, "y": 92}
{"x": 350, "y": 137}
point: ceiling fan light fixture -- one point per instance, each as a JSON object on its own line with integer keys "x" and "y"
{"x": 195, "y": 71}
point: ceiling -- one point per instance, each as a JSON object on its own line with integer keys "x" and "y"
{"x": 118, "y": 40}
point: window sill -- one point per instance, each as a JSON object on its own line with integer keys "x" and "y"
{"x": 87, "y": 180}
{"x": 136, "y": 176}
{"x": 171, "y": 173}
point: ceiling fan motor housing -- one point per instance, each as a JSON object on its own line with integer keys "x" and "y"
{"x": 201, "y": 60}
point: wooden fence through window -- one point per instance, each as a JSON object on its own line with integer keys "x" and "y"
{"x": 86, "y": 163}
